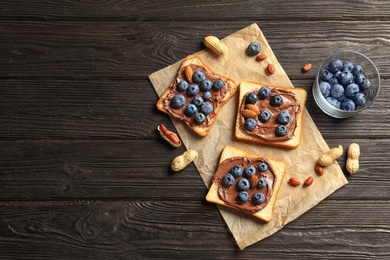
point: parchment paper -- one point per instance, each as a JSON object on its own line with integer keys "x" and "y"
{"x": 292, "y": 201}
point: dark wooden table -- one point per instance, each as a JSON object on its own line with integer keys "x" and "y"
{"x": 83, "y": 172}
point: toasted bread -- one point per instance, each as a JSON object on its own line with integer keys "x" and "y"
{"x": 295, "y": 136}
{"x": 224, "y": 95}
{"x": 278, "y": 169}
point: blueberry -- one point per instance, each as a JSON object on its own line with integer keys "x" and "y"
{"x": 242, "y": 197}
{"x": 335, "y": 65}
{"x": 190, "y": 110}
{"x": 206, "y": 108}
{"x": 345, "y": 78}
{"x": 335, "y": 75}
{"x": 348, "y": 105}
{"x": 218, "y": 84}
{"x": 236, "y": 171}
{"x": 326, "y": 75}
{"x": 351, "y": 90}
{"x": 264, "y": 92}
{"x": 178, "y": 101}
{"x": 284, "y": 117}
{"x": 359, "y": 79}
{"x": 265, "y": 116}
{"x": 182, "y": 86}
{"x": 333, "y": 80}
{"x": 356, "y": 70}
{"x": 262, "y": 183}
{"x": 281, "y": 130}
{"x": 347, "y": 66}
{"x": 253, "y": 49}
{"x": 360, "y": 99}
{"x": 325, "y": 88}
{"x": 336, "y": 91}
{"x": 205, "y": 85}
{"x": 199, "y": 118}
{"x": 342, "y": 98}
{"x": 198, "y": 76}
{"x": 366, "y": 84}
{"x": 262, "y": 167}
{"x": 228, "y": 180}
{"x": 334, "y": 102}
{"x": 249, "y": 171}
{"x": 250, "y": 124}
{"x": 207, "y": 95}
{"x": 243, "y": 184}
{"x": 251, "y": 98}
{"x": 197, "y": 101}
{"x": 192, "y": 90}
{"x": 258, "y": 198}
{"x": 276, "y": 101}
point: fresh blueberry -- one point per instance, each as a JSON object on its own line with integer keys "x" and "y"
{"x": 276, "y": 101}
{"x": 205, "y": 85}
{"x": 207, "y": 95}
{"x": 242, "y": 197}
{"x": 336, "y": 91}
{"x": 281, "y": 130}
{"x": 192, "y": 90}
{"x": 251, "y": 98}
{"x": 250, "y": 124}
{"x": 264, "y": 92}
{"x": 335, "y": 65}
{"x": 206, "y": 108}
{"x": 348, "y": 105}
{"x": 342, "y": 98}
{"x": 359, "y": 79}
{"x": 366, "y": 84}
{"x": 258, "y": 198}
{"x": 228, "y": 180}
{"x": 178, "y": 101}
{"x": 351, "y": 90}
{"x": 325, "y": 88}
{"x": 326, "y": 75}
{"x": 262, "y": 167}
{"x": 253, "y": 49}
{"x": 198, "y": 76}
{"x": 333, "y": 80}
{"x": 265, "y": 116}
{"x": 197, "y": 101}
{"x": 334, "y": 102}
{"x": 284, "y": 117}
{"x": 347, "y": 66}
{"x": 356, "y": 70}
{"x": 218, "y": 84}
{"x": 190, "y": 110}
{"x": 345, "y": 78}
{"x": 199, "y": 118}
{"x": 262, "y": 183}
{"x": 236, "y": 171}
{"x": 243, "y": 184}
{"x": 182, "y": 86}
{"x": 249, "y": 171}
{"x": 360, "y": 99}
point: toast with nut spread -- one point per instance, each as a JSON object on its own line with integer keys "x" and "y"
{"x": 247, "y": 182}
{"x": 197, "y": 95}
{"x": 270, "y": 115}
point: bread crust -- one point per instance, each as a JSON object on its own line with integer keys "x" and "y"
{"x": 241, "y": 134}
{"x": 201, "y": 130}
{"x": 279, "y": 168}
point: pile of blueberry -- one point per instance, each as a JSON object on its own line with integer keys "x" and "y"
{"x": 199, "y": 93}
{"x": 283, "y": 118}
{"x": 343, "y": 84}
{"x": 243, "y": 183}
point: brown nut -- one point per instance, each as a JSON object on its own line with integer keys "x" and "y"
{"x": 254, "y": 180}
{"x": 306, "y": 67}
{"x": 329, "y": 157}
{"x": 309, "y": 181}
{"x": 271, "y": 68}
{"x": 253, "y": 108}
{"x": 188, "y": 72}
{"x": 182, "y": 161}
{"x": 294, "y": 182}
{"x": 247, "y": 113}
{"x": 169, "y": 136}
{"x": 319, "y": 170}
{"x": 261, "y": 56}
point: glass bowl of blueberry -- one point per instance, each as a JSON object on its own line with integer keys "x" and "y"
{"x": 346, "y": 83}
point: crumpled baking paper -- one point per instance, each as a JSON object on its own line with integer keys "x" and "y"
{"x": 292, "y": 201}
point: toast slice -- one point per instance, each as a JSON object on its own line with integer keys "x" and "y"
{"x": 294, "y": 100}
{"x": 207, "y": 108}
{"x": 232, "y": 156}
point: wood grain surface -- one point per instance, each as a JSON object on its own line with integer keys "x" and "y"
{"x": 83, "y": 171}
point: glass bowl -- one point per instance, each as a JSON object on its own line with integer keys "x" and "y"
{"x": 370, "y": 72}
